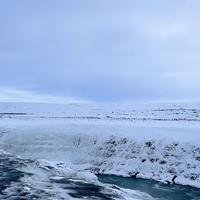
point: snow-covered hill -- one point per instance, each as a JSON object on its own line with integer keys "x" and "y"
{"x": 181, "y": 112}
{"x": 154, "y": 141}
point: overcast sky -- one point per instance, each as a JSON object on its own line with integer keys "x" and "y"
{"x": 99, "y": 50}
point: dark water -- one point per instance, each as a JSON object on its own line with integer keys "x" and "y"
{"x": 157, "y": 190}
{"x": 85, "y": 190}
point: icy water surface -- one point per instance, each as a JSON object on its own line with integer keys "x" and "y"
{"x": 159, "y": 191}
{"x": 17, "y": 184}
{"x": 24, "y": 179}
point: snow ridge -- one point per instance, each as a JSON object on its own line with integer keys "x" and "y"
{"x": 154, "y": 141}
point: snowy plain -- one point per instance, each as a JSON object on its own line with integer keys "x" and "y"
{"x": 155, "y": 141}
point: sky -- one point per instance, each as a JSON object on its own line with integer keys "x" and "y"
{"x": 99, "y": 50}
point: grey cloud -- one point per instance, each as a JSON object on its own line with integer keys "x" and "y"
{"x": 101, "y": 50}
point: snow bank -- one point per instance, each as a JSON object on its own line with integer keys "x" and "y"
{"x": 87, "y": 147}
{"x": 160, "y": 142}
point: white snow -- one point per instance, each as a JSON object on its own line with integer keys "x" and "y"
{"x": 154, "y": 141}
